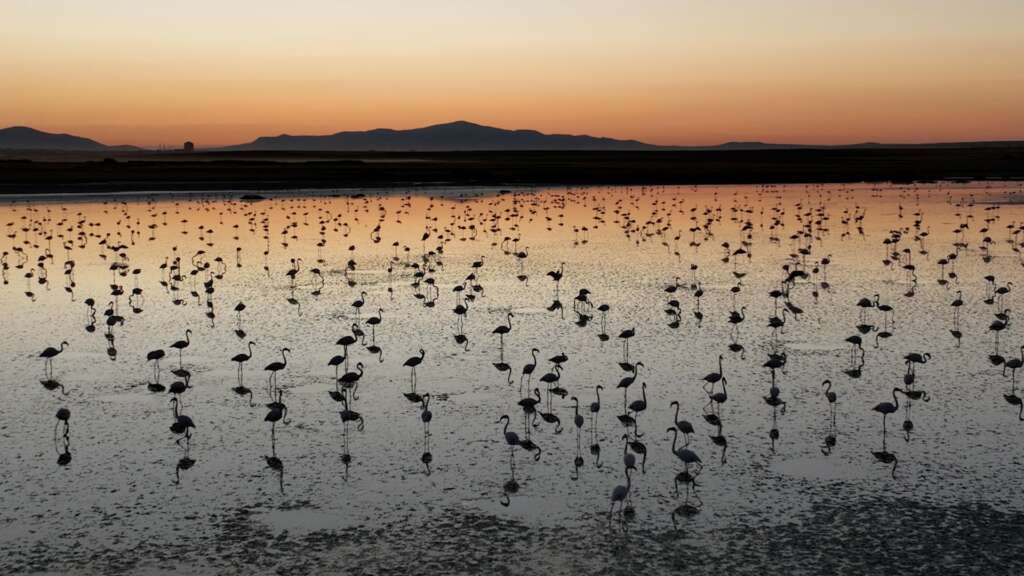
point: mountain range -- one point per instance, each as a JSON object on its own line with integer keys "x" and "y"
{"x": 25, "y": 138}
{"x": 452, "y": 136}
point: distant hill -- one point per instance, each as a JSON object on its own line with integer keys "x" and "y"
{"x": 451, "y": 137}
{"x": 441, "y": 137}
{"x": 25, "y": 138}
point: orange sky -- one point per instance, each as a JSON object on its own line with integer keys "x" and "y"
{"x": 663, "y": 71}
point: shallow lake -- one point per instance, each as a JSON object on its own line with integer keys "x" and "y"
{"x": 787, "y": 481}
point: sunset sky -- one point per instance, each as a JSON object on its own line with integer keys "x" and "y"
{"x": 662, "y": 71}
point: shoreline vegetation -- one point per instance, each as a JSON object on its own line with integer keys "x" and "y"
{"x": 34, "y": 172}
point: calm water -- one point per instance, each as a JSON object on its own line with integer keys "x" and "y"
{"x": 786, "y": 490}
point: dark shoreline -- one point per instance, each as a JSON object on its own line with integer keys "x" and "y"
{"x": 32, "y": 173}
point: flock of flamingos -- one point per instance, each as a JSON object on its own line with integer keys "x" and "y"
{"x": 43, "y": 238}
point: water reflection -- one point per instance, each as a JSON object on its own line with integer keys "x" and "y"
{"x": 792, "y": 283}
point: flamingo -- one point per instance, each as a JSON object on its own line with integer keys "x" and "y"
{"x": 684, "y": 426}
{"x": 620, "y": 493}
{"x": 48, "y": 356}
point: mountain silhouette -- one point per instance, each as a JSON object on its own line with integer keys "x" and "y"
{"x": 453, "y": 136}
{"x": 25, "y": 138}
{"x": 460, "y": 136}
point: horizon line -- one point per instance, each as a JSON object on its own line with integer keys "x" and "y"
{"x": 667, "y": 147}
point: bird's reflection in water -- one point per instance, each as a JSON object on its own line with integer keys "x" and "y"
{"x": 427, "y": 457}
{"x": 90, "y": 316}
{"x": 911, "y": 395}
{"x": 773, "y": 433}
{"x": 829, "y": 443}
{"x": 185, "y": 463}
{"x": 908, "y": 423}
{"x": 638, "y": 448}
{"x": 275, "y": 464}
{"x": 508, "y": 489}
{"x": 556, "y": 304}
{"x": 830, "y": 436}
{"x": 51, "y": 385}
{"x": 690, "y": 506}
{"x": 886, "y": 457}
{"x": 738, "y": 348}
{"x": 348, "y": 416}
{"x": 111, "y": 346}
{"x": 63, "y": 451}
{"x": 426, "y": 416}
{"x": 1013, "y": 400}
{"x": 718, "y": 438}
{"x": 603, "y": 336}
{"x": 375, "y": 349}
{"x": 578, "y": 422}
{"x": 582, "y": 320}
{"x": 504, "y": 367}
{"x": 856, "y": 369}
{"x": 623, "y": 496}
{"x": 595, "y": 451}
{"x": 62, "y": 437}
{"x": 721, "y": 441}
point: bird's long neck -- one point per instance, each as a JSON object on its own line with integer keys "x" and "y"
{"x": 598, "y": 390}
{"x": 676, "y": 418}
{"x": 284, "y": 358}
{"x": 720, "y": 363}
{"x": 675, "y": 436}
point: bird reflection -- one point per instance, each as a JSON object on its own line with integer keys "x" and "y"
{"x": 185, "y": 463}
{"x": 194, "y": 276}
{"x": 276, "y": 464}
{"x": 773, "y": 433}
{"x": 1013, "y": 400}
{"x": 886, "y": 457}
{"x": 62, "y": 437}
{"x": 691, "y": 506}
{"x": 50, "y": 385}
{"x": 63, "y": 445}
{"x": 426, "y": 457}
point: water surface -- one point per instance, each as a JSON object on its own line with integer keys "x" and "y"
{"x": 776, "y": 493}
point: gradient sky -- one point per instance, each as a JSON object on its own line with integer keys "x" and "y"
{"x": 663, "y": 71}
